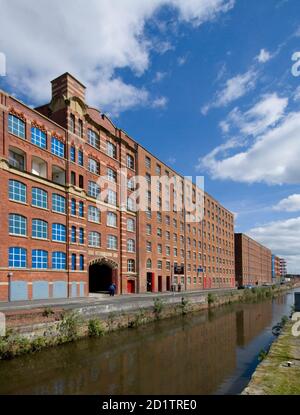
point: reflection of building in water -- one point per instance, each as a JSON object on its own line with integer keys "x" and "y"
{"x": 172, "y": 357}
{"x": 251, "y": 320}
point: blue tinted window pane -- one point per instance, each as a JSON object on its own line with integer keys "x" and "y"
{"x": 73, "y": 207}
{"x": 17, "y": 191}
{"x": 81, "y": 209}
{"x": 81, "y": 235}
{"x": 39, "y": 198}
{"x": 81, "y": 263}
{"x": 39, "y": 229}
{"x": 58, "y": 232}
{"x": 80, "y": 158}
{"x": 16, "y": 126}
{"x": 57, "y": 147}
{"x": 17, "y": 257}
{"x": 38, "y": 137}
{"x": 58, "y": 203}
{"x": 59, "y": 260}
{"x": 73, "y": 265}
{"x": 72, "y": 153}
{"x": 73, "y": 234}
{"x": 39, "y": 259}
{"x": 17, "y": 225}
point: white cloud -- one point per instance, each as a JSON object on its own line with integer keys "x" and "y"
{"x": 265, "y": 113}
{"x": 233, "y": 89}
{"x": 282, "y": 237}
{"x": 160, "y": 102}
{"x": 273, "y": 158}
{"x": 182, "y": 60}
{"x": 90, "y": 42}
{"x": 159, "y": 76}
{"x": 290, "y": 204}
{"x": 171, "y": 160}
{"x": 264, "y": 56}
{"x": 297, "y": 94}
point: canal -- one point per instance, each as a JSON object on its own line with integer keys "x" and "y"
{"x": 212, "y": 352}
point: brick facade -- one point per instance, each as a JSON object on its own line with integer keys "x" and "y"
{"x": 253, "y": 261}
{"x": 204, "y": 249}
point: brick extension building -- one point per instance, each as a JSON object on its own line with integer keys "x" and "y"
{"x": 57, "y": 241}
{"x": 253, "y": 261}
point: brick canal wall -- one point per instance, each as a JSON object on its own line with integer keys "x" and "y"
{"x": 38, "y": 328}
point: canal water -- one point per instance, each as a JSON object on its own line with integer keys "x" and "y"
{"x": 212, "y": 352}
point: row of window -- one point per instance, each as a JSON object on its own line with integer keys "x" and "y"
{"x": 18, "y": 227}
{"x": 17, "y": 258}
{"x": 16, "y": 126}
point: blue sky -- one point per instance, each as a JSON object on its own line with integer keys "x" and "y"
{"x": 206, "y": 86}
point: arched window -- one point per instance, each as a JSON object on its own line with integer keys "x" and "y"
{"x": 149, "y": 264}
{"x": 130, "y": 265}
{"x": 130, "y": 245}
{"x": 17, "y": 224}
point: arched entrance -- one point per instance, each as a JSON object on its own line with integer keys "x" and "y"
{"x": 102, "y": 272}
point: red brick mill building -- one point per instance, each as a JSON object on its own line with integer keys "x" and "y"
{"x": 58, "y": 242}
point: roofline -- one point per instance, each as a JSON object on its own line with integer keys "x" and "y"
{"x": 72, "y": 76}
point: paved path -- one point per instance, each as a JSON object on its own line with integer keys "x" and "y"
{"x": 92, "y": 301}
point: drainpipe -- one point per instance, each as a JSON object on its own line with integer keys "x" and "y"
{"x": 9, "y": 276}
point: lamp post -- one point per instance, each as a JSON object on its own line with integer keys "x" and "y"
{"x": 9, "y": 276}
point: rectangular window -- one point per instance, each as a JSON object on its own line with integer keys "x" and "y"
{"x": 130, "y": 161}
{"x": 17, "y": 191}
{"x": 111, "y": 219}
{"x": 81, "y": 209}
{"x": 73, "y": 207}
{"x": 112, "y": 242}
{"x": 93, "y": 139}
{"x": 80, "y": 158}
{"x": 73, "y": 234}
{"x": 93, "y": 189}
{"x": 39, "y": 229}
{"x": 17, "y": 225}
{"x": 58, "y": 232}
{"x": 39, "y": 198}
{"x": 147, "y": 162}
{"x": 93, "y": 214}
{"x": 111, "y": 175}
{"x": 111, "y": 197}
{"x": 73, "y": 262}
{"x": 59, "y": 260}
{"x": 57, "y": 147}
{"x": 39, "y": 259}
{"x": 111, "y": 150}
{"x": 17, "y": 257}
{"x": 93, "y": 166}
{"x": 148, "y": 246}
{"x": 38, "y": 137}
{"x": 94, "y": 239}
{"x": 80, "y": 128}
{"x": 81, "y": 235}
{"x": 58, "y": 203}
{"x": 73, "y": 154}
{"x": 81, "y": 263}
{"x": 16, "y": 160}
{"x": 130, "y": 225}
{"x": 16, "y": 126}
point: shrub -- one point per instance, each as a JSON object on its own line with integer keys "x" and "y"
{"x": 96, "y": 328}
{"x": 185, "y": 306}
{"x": 47, "y": 312}
{"x": 158, "y": 307}
{"x": 210, "y": 298}
{"x": 69, "y": 326}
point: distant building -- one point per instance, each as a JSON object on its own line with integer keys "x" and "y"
{"x": 283, "y": 268}
{"x": 276, "y": 275}
{"x": 253, "y": 261}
